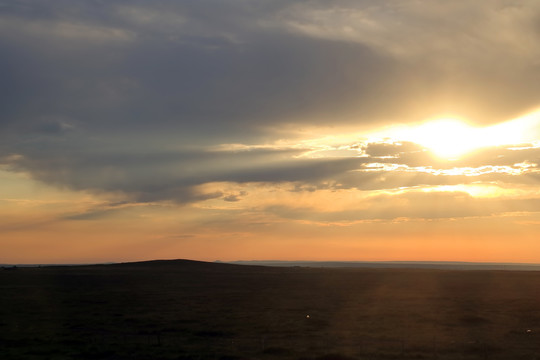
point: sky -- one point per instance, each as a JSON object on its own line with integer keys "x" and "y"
{"x": 289, "y": 130}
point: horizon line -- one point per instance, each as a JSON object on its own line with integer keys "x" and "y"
{"x": 427, "y": 262}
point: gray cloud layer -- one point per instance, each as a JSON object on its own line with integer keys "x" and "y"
{"x": 125, "y": 96}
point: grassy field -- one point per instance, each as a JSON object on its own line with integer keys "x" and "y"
{"x": 191, "y": 310}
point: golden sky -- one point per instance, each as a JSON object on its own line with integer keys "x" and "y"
{"x": 286, "y": 130}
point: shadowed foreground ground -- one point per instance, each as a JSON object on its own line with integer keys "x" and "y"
{"x": 191, "y": 310}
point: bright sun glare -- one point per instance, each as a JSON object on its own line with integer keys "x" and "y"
{"x": 447, "y": 138}
{"x": 450, "y": 138}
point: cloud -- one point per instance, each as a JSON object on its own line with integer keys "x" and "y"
{"x": 408, "y": 29}
{"x": 173, "y": 176}
{"x": 131, "y": 98}
{"x": 181, "y": 57}
{"x": 454, "y": 45}
{"x": 234, "y": 197}
{"x": 391, "y": 149}
{"x": 64, "y": 31}
{"x": 179, "y": 176}
{"x": 430, "y": 205}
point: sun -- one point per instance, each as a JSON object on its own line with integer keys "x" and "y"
{"x": 447, "y": 138}
{"x": 452, "y": 138}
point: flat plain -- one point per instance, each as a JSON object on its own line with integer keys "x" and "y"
{"x": 193, "y": 310}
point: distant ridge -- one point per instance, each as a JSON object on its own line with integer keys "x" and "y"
{"x": 450, "y": 265}
{"x": 145, "y": 263}
{"x": 165, "y": 262}
{"x": 242, "y": 265}
{"x": 176, "y": 264}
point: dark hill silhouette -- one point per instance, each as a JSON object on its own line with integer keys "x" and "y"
{"x": 186, "y": 265}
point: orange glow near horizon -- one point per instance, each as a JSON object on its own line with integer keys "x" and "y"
{"x": 407, "y": 241}
{"x": 384, "y": 214}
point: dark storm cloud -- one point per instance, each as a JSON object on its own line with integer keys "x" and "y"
{"x": 101, "y": 95}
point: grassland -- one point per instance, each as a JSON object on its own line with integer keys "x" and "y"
{"x": 191, "y": 310}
